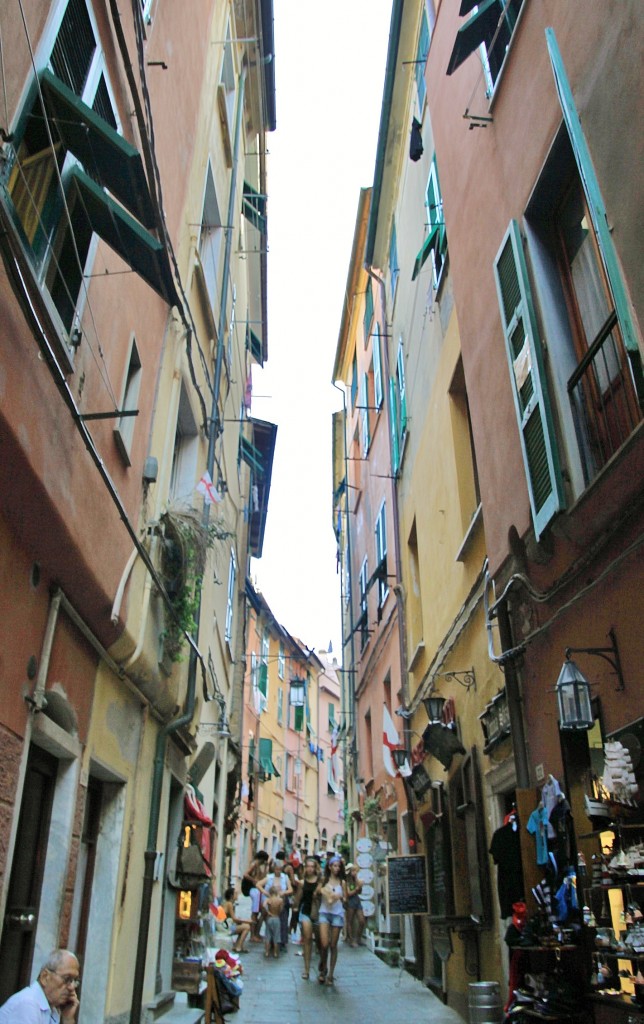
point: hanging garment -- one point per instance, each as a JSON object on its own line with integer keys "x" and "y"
{"x": 505, "y": 850}
{"x": 538, "y": 827}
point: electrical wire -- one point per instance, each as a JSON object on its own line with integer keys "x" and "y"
{"x": 184, "y": 307}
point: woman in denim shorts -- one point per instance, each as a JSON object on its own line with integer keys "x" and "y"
{"x": 331, "y": 920}
{"x": 309, "y": 908}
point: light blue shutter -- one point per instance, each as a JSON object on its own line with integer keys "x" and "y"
{"x": 393, "y": 426}
{"x": 527, "y": 376}
{"x": 593, "y": 192}
{"x": 364, "y": 403}
{"x": 421, "y": 60}
{"x": 377, "y": 368}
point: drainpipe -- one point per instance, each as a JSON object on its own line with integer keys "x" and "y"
{"x": 153, "y": 830}
{"x": 186, "y": 717}
{"x": 348, "y": 686}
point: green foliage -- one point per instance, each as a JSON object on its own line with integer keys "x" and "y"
{"x": 186, "y": 543}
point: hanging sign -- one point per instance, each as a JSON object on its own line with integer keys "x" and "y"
{"x": 365, "y": 875}
{"x": 365, "y": 860}
{"x": 364, "y": 845}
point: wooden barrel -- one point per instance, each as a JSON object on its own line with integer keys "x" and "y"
{"x": 485, "y": 1004}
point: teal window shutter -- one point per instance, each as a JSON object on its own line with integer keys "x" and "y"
{"x": 432, "y": 241}
{"x": 421, "y": 59}
{"x": 254, "y": 345}
{"x": 251, "y": 455}
{"x": 140, "y": 250}
{"x": 364, "y": 413}
{"x": 251, "y": 756}
{"x": 262, "y": 682}
{"x": 480, "y": 28}
{"x": 377, "y": 368}
{"x": 593, "y": 192}
{"x": 394, "y": 269}
{"x": 254, "y": 207}
{"x": 266, "y": 766}
{"x": 354, "y": 382}
{"x": 368, "y": 310}
{"x": 402, "y": 392}
{"x": 298, "y": 723}
{"x": 528, "y": 381}
{"x": 104, "y": 154}
{"x": 393, "y": 426}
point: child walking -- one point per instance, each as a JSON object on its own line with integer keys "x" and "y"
{"x": 272, "y": 931}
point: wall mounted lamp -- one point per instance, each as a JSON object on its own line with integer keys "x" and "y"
{"x": 573, "y": 689}
{"x": 434, "y": 707}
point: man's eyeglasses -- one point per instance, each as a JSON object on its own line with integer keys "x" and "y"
{"x": 67, "y": 979}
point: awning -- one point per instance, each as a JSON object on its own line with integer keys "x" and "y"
{"x": 103, "y": 153}
{"x": 481, "y": 26}
{"x": 442, "y": 742}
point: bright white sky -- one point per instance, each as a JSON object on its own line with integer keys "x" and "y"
{"x": 330, "y": 61}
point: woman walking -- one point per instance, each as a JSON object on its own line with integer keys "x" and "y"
{"x": 333, "y": 892}
{"x": 355, "y": 917}
{"x": 308, "y": 909}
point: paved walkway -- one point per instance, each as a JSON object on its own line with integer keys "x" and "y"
{"x": 366, "y": 991}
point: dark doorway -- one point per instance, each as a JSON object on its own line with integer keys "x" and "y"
{"x": 25, "y": 885}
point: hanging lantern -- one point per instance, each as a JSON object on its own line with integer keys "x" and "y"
{"x": 434, "y": 708}
{"x": 297, "y": 693}
{"x": 573, "y": 697}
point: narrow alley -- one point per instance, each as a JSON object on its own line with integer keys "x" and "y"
{"x": 321, "y": 510}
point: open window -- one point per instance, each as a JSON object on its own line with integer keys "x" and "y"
{"x": 435, "y": 244}
{"x": 491, "y": 27}
{"x": 70, "y": 174}
{"x": 124, "y": 432}
{"x": 183, "y": 476}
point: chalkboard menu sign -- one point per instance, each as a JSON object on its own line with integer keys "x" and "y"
{"x": 407, "y": 885}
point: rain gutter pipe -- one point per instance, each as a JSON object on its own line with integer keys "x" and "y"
{"x": 189, "y": 707}
{"x": 351, "y": 687}
{"x": 387, "y": 101}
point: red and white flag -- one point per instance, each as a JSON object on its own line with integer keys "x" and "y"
{"x": 208, "y": 489}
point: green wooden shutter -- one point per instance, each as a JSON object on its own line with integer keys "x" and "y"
{"x": 393, "y": 426}
{"x": 593, "y": 192}
{"x": 421, "y": 59}
{"x": 298, "y": 723}
{"x": 529, "y": 386}
{"x": 262, "y": 682}
{"x": 105, "y": 155}
{"x": 368, "y": 310}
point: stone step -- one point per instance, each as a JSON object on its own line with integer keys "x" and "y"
{"x": 182, "y": 1015}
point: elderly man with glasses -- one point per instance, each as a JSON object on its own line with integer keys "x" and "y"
{"x": 52, "y": 998}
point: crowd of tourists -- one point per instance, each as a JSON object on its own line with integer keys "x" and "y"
{"x": 313, "y": 900}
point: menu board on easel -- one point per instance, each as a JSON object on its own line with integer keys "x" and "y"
{"x": 407, "y": 885}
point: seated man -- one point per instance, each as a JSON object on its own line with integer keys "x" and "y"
{"x": 52, "y": 997}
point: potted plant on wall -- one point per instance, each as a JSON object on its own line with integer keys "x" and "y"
{"x": 186, "y": 541}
